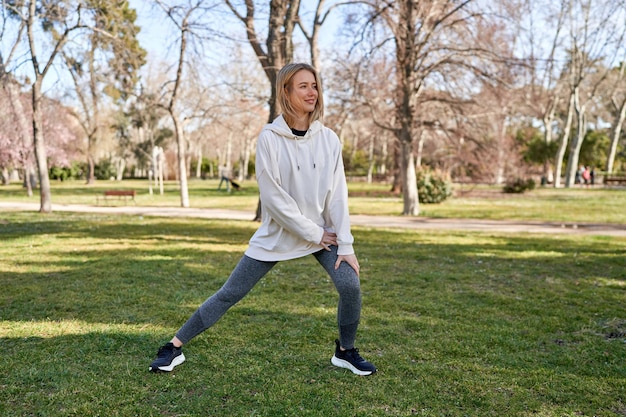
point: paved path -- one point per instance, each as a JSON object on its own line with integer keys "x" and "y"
{"x": 357, "y": 220}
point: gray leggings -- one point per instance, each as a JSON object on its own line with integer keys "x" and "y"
{"x": 249, "y": 271}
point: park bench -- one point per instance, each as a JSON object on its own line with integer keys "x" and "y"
{"x": 119, "y": 194}
{"x": 615, "y": 180}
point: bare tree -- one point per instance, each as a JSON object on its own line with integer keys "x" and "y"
{"x": 19, "y": 113}
{"x": 544, "y": 22}
{"x": 59, "y": 21}
{"x": 107, "y": 60}
{"x": 594, "y": 47}
{"x": 13, "y": 129}
{"x": 490, "y": 119}
{"x": 430, "y": 40}
{"x": 141, "y": 132}
{"x": 49, "y": 27}
{"x": 320, "y": 14}
{"x": 618, "y": 103}
{"x": 278, "y": 50}
{"x": 358, "y": 95}
{"x": 187, "y": 19}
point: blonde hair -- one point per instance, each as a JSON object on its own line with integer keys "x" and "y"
{"x": 283, "y": 86}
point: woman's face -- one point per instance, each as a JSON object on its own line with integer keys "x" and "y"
{"x": 303, "y": 92}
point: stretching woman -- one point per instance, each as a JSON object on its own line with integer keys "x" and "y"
{"x": 304, "y": 200}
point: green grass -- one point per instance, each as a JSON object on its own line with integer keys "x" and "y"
{"x": 580, "y": 205}
{"x": 201, "y": 194}
{"x": 459, "y": 324}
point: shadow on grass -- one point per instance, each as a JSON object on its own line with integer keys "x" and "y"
{"x": 111, "y": 269}
{"x": 66, "y": 225}
{"x": 481, "y": 321}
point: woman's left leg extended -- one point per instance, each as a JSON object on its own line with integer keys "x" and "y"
{"x": 245, "y": 276}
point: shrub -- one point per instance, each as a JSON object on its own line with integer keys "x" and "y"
{"x": 62, "y": 173}
{"x": 519, "y": 186}
{"x": 432, "y": 187}
{"x": 104, "y": 170}
{"x": 355, "y": 163}
{"x": 207, "y": 166}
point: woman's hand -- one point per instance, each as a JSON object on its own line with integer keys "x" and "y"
{"x": 328, "y": 239}
{"x": 350, "y": 260}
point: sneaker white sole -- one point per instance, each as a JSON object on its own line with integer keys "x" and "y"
{"x": 177, "y": 361}
{"x": 347, "y": 365}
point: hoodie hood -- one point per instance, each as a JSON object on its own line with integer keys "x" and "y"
{"x": 280, "y": 127}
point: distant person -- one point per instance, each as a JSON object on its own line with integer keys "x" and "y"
{"x": 578, "y": 178}
{"x": 303, "y": 190}
{"x": 587, "y": 176}
{"x": 592, "y": 176}
{"x": 225, "y": 175}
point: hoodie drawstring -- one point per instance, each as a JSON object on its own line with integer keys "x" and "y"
{"x": 298, "y": 139}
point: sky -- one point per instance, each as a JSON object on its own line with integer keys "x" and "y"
{"x": 155, "y": 33}
{"x": 158, "y": 38}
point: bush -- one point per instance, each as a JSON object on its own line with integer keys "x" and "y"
{"x": 207, "y": 166}
{"x": 519, "y": 186}
{"x": 355, "y": 163}
{"x": 104, "y": 170}
{"x": 62, "y": 173}
{"x": 432, "y": 187}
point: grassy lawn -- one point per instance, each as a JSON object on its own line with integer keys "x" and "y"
{"x": 459, "y": 324}
{"x": 581, "y": 205}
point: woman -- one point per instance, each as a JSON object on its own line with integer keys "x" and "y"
{"x": 304, "y": 196}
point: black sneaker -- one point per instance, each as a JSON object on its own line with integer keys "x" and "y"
{"x": 350, "y": 359}
{"x": 168, "y": 357}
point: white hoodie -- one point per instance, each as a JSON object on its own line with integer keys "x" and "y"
{"x": 303, "y": 192}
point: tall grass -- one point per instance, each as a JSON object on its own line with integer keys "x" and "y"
{"x": 459, "y": 324}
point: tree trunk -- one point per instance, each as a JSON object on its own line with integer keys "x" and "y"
{"x": 501, "y": 157}
{"x": 93, "y": 136}
{"x": 407, "y": 173}
{"x": 30, "y": 178}
{"x": 40, "y": 150}
{"x": 409, "y": 182}
{"x": 396, "y": 185}
{"x": 182, "y": 167}
{"x": 577, "y": 142}
{"x": 370, "y": 160}
{"x": 6, "y": 178}
{"x": 548, "y": 119}
{"x": 615, "y": 136}
{"x": 245, "y": 158}
{"x": 160, "y": 170}
{"x": 384, "y": 155}
{"x": 121, "y": 166}
{"x": 199, "y": 164}
{"x": 27, "y": 143}
{"x": 563, "y": 145}
{"x": 156, "y": 152}
{"x": 420, "y": 149}
{"x": 229, "y": 151}
{"x": 91, "y": 166}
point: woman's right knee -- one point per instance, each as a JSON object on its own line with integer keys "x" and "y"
{"x": 230, "y": 295}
